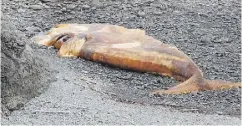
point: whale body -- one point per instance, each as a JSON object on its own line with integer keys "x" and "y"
{"x": 130, "y": 49}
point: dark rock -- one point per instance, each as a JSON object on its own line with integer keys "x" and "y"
{"x": 23, "y": 75}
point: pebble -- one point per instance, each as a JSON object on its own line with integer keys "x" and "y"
{"x": 141, "y": 13}
{"x": 93, "y": 8}
{"x": 63, "y": 9}
{"x": 71, "y": 6}
{"x": 83, "y": 71}
{"x": 219, "y": 113}
{"x": 222, "y": 40}
{"x": 21, "y": 10}
{"x": 72, "y": 12}
{"x": 85, "y": 6}
{"x": 157, "y": 13}
{"x": 20, "y": 43}
{"x": 32, "y": 29}
{"x": 36, "y": 7}
{"x": 46, "y": 1}
{"x": 58, "y": 12}
{"x": 58, "y": 5}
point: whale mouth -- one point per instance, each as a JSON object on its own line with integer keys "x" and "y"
{"x": 61, "y": 39}
{"x": 64, "y": 38}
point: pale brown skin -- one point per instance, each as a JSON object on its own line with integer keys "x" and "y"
{"x": 130, "y": 49}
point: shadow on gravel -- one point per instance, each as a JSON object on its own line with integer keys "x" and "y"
{"x": 134, "y": 88}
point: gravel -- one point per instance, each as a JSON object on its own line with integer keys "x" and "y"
{"x": 92, "y": 93}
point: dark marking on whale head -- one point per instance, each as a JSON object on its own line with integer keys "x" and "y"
{"x": 61, "y": 39}
{"x": 64, "y": 38}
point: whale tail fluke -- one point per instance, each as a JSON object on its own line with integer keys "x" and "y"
{"x": 221, "y": 84}
{"x": 198, "y": 83}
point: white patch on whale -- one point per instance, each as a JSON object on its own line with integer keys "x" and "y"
{"x": 126, "y": 45}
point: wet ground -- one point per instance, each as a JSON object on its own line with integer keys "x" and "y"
{"x": 91, "y": 93}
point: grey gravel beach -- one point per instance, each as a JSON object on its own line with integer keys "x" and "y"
{"x": 83, "y": 92}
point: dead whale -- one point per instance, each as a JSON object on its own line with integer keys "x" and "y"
{"x": 130, "y": 49}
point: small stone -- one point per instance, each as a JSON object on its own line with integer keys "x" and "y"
{"x": 36, "y": 7}
{"x": 127, "y": 76}
{"x": 32, "y": 29}
{"x": 149, "y": 1}
{"x": 49, "y": 47}
{"x": 68, "y": 17}
{"x": 85, "y": 6}
{"x": 207, "y": 38}
{"x": 222, "y": 40}
{"x": 141, "y": 14}
{"x": 21, "y": 10}
{"x": 93, "y": 8}
{"x": 83, "y": 71}
{"x": 72, "y": 6}
{"x": 46, "y": 1}
{"x": 20, "y": 43}
{"x": 157, "y": 13}
{"x": 63, "y": 9}
{"x": 58, "y": 5}
{"x": 58, "y": 12}
{"x": 219, "y": 113}
{"x": 46, "y": 6}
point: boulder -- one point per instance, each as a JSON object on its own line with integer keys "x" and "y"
{"x": 23, "y": 74}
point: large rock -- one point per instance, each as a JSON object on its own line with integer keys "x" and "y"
{"x": 23, "y": 74}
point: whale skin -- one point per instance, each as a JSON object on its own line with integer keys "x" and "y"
{"x": 130, "y": 49}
